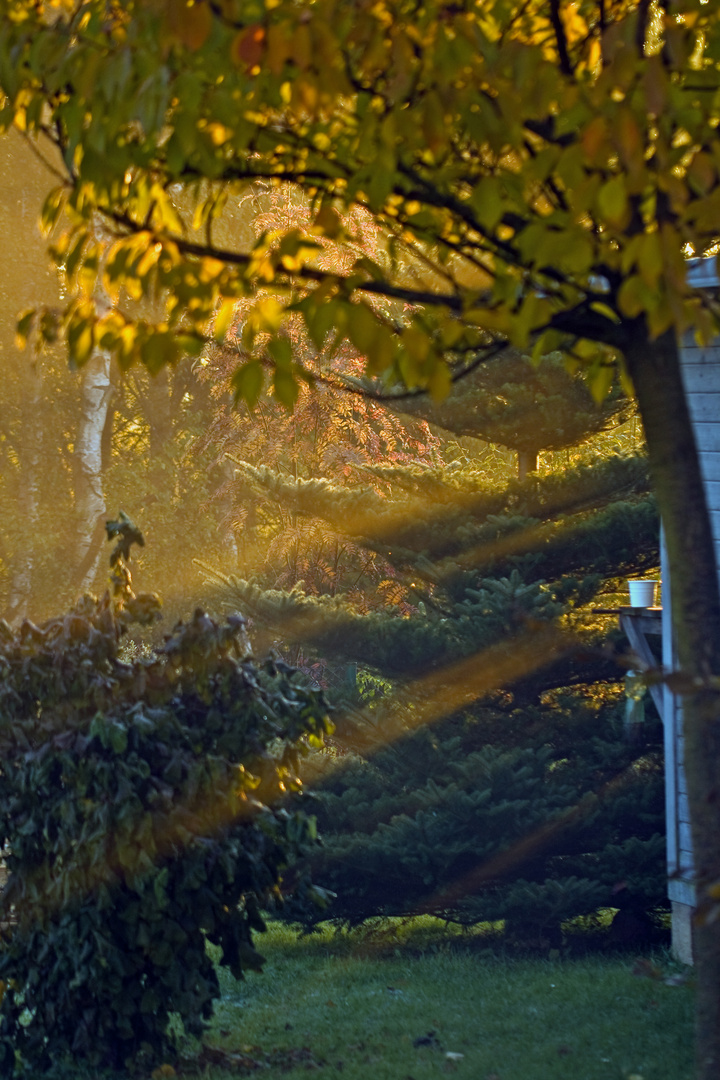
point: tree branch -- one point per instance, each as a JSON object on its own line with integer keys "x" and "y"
{"x": 643, "y": 12}
{"x": 355, "y": 387}
{"x": 560, "y": 38}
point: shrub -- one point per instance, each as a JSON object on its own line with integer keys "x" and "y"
{"x": 533, "y": 816}
{"x": 141, "y": 814}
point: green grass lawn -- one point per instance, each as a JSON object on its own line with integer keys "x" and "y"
{"x": 398, "y": 1006}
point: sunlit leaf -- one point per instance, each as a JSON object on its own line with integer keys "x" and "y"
{"x": 224, "y": 319}
{"x": 247, "y": 383}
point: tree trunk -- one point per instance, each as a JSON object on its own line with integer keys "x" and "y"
{"x": 89, "y": 496}
{"x": 158, "y": 409}
{"x": 527, "y": 462}
{"x": 655, "y": 370}
{"x": 23, "y": 564}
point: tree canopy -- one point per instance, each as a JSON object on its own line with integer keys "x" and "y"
{"x": 540, "y": 171}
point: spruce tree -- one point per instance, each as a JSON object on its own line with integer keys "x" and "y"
{"x": 527, "y": 408}
{"x": 446, "y": 794}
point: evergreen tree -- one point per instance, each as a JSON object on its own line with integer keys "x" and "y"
{"x": 527, "y": 409}
{"x": 524, "y": 804}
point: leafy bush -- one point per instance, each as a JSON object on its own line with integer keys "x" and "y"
{"x": 141, "y": 816}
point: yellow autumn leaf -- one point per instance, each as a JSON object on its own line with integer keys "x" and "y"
{"x": 268, "y": 314}
{"x": 632, "y": 296}
{"x": 649, "y": 257}
{"x": 440, "y": 382}
{"x": 416, "y": 342}
{"x": 498, "y": 319}
{"x": 223, "y": 319}
{"x": 599, "y": 380}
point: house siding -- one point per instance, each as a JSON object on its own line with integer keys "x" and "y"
{"x": 701, "y": 377}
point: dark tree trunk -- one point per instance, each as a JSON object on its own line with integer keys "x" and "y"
{"x": 29, "y": 449}
{"x": 655, "y": 370}
{"x": 527, "y": 462}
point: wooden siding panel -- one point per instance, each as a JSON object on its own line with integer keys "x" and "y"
{"x": 710, "y": 466}
{"x": 685, "y": 843}
{"x": 683, "y": 809}
{"x": 683, "y": 892}
{"x": 707, "y": 436}
{"x": 704, "y": 407}
{"x": 701, "y": 377}
{"x": 701, "y": 354}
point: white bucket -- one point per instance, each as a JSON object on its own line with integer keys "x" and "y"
{"x": 642, "y": 593}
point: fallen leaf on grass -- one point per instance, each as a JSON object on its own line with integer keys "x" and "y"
{"x": 647, "y": 970}
{"x": 430, "y": 1040}
{"x": 213, "y": 1055}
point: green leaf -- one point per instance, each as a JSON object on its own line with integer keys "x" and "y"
{"x": 118, "y": 738}
{"x": 612, "y": 201}
{"x": 487, "y": 202}
{"x": 247, "y": 383}
{"x": 440, "y": 381}
{"x": 285, "y": 387}
{"x": 600, "y": 378}
{"x": 52, "y": 208}
{"x": 159, "y": 350}
{"x": 280, "y": 348}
